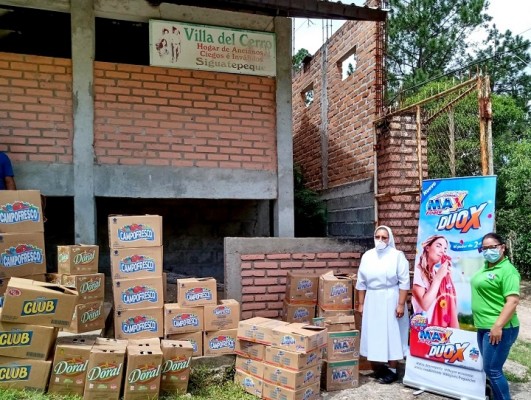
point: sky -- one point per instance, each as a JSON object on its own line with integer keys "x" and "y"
{"x": 507, "y": 14}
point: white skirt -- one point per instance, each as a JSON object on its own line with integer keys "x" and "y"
{"x": 383, "y": 336}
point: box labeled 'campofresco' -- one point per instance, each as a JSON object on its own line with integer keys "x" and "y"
{"x": 22, "y": 254}
{"x": 90, "y": 287}
{"x": 179, "y": 319}
{"x": 225, "y": 315}
{"x": 26, "y": 341}
{"x": 138, "y": 323}
{"x": 219, "y": 342}
{"x": 132, "y": 294}
{"x": 70, "y": 364}
{"x": 20, "y": 211}
{"x": 194, "y": 338}
{"x": 38, "y": 303}
{"x": 175, "y": 366}
{"x": 142, "y": 377}
{"x": 104, "y": 373}
{"x": 20, "y": 373}
{"x": 136, "y": 262}
{"x": 193, "y": 292}
{"x": 77, "y": 259}
{"x": 135, "y": 231}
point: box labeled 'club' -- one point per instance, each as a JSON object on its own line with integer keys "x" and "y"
{"x": 26, "y": 341}
{"x": 25, "y": 374}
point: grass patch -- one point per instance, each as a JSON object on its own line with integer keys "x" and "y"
{"x": 520, "y": 353}
{"x": 226, "y": 391}
{"x": 12, "y": 394}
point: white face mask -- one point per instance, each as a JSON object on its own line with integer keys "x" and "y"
{"x": 379, "y": 244}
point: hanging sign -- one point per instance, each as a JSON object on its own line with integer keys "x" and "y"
{"x": 211, "y": 48}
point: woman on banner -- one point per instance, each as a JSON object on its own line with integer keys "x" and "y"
{"x": 383, "y": 283}
{"x": 433, "y": 289}
{"x": 495, "y": 296}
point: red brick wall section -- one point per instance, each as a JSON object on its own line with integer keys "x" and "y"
{"x": 183, "y": 118}
{"x": 36, "y": 108}
{"x": 350, "y": 113}
{"x": 264, "y": 277}
{"x": 398, "y": 173}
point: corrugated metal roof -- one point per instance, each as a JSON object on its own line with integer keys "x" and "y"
{"x": 288, "y": 8}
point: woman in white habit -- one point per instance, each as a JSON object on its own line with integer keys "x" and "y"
{"x": 383, "y": 283}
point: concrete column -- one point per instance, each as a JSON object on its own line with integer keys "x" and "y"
{"x": 284, "y": 222}
{"x": 83, "y": 49}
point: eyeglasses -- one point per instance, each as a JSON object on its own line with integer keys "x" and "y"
{"x": 483, "y": 248}
{"x": 381, "y": 237}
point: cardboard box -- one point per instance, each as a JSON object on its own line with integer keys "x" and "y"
{"x": 70, "y": 364}
{"x": 298, "y": 312}
{"x": 193, "y": 292}
{"x": 335, "y": 291}
{"x": 130, "y": 294}
{"x": 246, "y": 349}
{"x": 22, "y": 254}
{"x": 142, "y": 378}
{"x": 258, "y": 329}
{"x": 145, "y": 342}
{"x": 138, "y": 324}
{"x": 79, "y": 259}
{"x": 20, "y": 373}
{"x": 175, "y": 366}
{"x": 88, "y": 317}
{"x": 135, "y": 231}
{"x": 179, "y": 319}
{"x": 273, "y": 392}
{"x": 90, "y": 287}
{"x": 250, "y": 384}
{"x": 136, "y": 262}
{"x": 26, "y": 341}
{"x": 343, "y": 346}
{"x": 104, "y": 373}
{"x": 340, "y": 324}
{"x": 194, "y": 338}
{"x": 112, "y": 342}
{"x": 290, "y": 379}
{"x": 219, "y": 342}
{"x": 302, "y": 287}
{"x": 225, "y": 315}
{"x": 164, "y": 287}
{"x": 330, "y": 315}
{"x": 292, "y": 359}
{"x": 5, "y": 281}
{"x": 301, "y": 338}
{"x": 250, "y": 366}
{"x": 20, "y": 211}
{"x": 38, "y": 303}
{"x": 340, "y": 375}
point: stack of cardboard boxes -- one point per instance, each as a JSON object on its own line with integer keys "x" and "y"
{"x": 136, "y": 268}
{"x": 210, "y": 326}
{"x": 279, "y": 360}
{"x": 77, "y": 267}
{"x": 301, "y": 297}
{"x": 22, "y": 251}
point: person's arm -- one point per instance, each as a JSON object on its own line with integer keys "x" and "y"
{"x": 507, "y": 312}
{"x": 10, "y": 183}
{"x": 426, "y": 297}
{"x": 403, "y": 284}
{"x": 402, "y": 297}
{"x": 361, "y": 298}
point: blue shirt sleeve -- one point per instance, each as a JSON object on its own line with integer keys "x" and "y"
{"x": 5, "y": 166}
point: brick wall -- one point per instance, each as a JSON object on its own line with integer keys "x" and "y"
{"x": 183, "y": 118}
{"x": 350, "y": 110}
{"x": 264, "y": 277}
{"x": 36, "y": 108}
{"x": 398, "y": 183}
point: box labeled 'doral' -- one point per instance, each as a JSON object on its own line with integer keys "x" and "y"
{"x": 136, "y": 262}
{"x": 38, "y": 303}
{"x": 21, "y": 211}
{"x": 135, "y": 231}
{"x": 219, "y": 342}
{"x": 132, "y": 294}
{"x": 176, "y": 359}
{"x": 142, "y": 377}
{"x": 104, "y": 373}
{"x": 70, "y": 364}
{"x": 78, "y": 259}
{"x": 26, "y": 374}
{"x": 224, "y": 315}
{"x": 88, "y": 317}
{"x": 90, "y": 287}
{"x": 193, "y": 292}
{"x": 138, "y": 323}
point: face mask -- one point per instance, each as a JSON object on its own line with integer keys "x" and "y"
{"x": 379, "y": 245}
{"x": 492, "y": 255}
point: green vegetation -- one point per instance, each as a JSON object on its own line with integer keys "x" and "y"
{"x": 11, "y": 394}
{"x": 310, "y": 211}
{"x": 520, "y": 353}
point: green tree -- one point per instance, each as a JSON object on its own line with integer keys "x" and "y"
{"x": 310, "y": 211}
{"x": 426, "y": 37}
{"x": 298, "y": 58}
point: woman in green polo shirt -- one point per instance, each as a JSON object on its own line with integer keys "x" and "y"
{"x": 495, "y": 295}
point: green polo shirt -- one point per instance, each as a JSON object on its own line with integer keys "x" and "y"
{"x": 490, "y": 287}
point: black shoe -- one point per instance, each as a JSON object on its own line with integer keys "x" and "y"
{"x": 380, "y": 372}
{"x": 389, "y": 377}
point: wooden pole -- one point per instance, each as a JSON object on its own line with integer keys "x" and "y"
{"x": 419, "y": 145}
{"x": 482, "y": 134}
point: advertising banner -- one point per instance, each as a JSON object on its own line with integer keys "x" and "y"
{"x": 211, "y": 48}
{"x": 455, "y": 214}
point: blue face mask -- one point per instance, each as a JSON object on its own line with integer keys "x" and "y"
{"x": 492, "y": 255}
